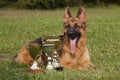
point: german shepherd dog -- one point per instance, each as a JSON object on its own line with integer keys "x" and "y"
{"x": 74, "y": 53}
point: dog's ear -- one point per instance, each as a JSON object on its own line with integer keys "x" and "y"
{"x": 67, "y": 14}
{"x": 81, "y": 15}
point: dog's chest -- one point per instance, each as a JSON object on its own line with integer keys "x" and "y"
{"x": 69, "y": 60}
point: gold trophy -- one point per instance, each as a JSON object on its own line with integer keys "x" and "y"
{"x": 51, "y": 48}
{"x": 34, "y": 51}
{"x": 48, "y": 49}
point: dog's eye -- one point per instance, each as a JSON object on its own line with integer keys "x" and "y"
{"x": 77, "y": 26}
{"x": 68, "y": 26}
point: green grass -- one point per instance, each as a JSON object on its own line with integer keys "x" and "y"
{"x": 17, "y": 27}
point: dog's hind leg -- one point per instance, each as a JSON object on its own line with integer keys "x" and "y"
{"x": 23, "y": 56}
{"x": 88, "y": 64}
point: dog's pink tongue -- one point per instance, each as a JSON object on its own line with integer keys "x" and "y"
{"x": 73, "y": 45}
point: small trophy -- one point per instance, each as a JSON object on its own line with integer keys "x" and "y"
{"x": 48, "y": 49}
{"x": 34, "y": 51}
{"x": 55, "y": 62}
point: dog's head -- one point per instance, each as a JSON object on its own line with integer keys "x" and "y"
{"x": 74, "y": 27}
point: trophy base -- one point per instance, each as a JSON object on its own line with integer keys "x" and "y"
{"x": 49, "y": 67}
{"x": 34, "y": 68}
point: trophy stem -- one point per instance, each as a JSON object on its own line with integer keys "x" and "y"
{"x": 49, "y": 65}
{"x": 34, "y": 66}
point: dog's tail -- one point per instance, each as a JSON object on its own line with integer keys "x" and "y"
{"x": 3, "y": 57}
{"x": 96, "y": 67}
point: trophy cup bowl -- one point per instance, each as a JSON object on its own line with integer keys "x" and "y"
{"x": 34, "y": 51}
{"x": 48, "y": 49}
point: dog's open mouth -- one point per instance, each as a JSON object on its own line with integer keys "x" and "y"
{"x": 73, "y": 42}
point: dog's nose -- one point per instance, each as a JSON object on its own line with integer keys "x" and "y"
{"x": 71, "y": 32}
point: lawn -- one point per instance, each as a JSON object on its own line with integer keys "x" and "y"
{"x": 18, "y": 27}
